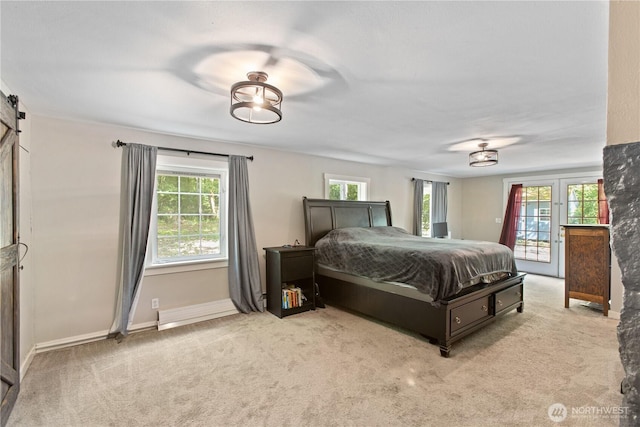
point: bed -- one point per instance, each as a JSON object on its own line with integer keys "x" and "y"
{"x": 443, "y": 307}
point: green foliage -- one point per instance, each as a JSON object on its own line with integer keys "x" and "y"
{"x": 426, "y": 213}
{"x": 167, "y": 183}
{"x": 189, "y": 203}
{"x": 167, "y": 203}
{"x": 188, "y": 221}
{"x": 210, "y": 185}
{"x": 189, "y": 184}
{"x": 334, "y": 191}
{"x": 542, "y": 193}
{"x": 167, "y": 225}
{"x": 582, "y": 203}
{"x": 352, "y": 191}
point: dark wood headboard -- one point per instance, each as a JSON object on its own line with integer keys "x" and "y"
{"x": 322, "y": 216}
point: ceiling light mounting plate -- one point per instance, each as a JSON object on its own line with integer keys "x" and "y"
{"x": 257, "y": 76}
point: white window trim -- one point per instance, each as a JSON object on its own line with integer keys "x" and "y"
{"x": 351, "y": 179}
{"x": 180, "y": 267}
{"x": 197, "y": 166}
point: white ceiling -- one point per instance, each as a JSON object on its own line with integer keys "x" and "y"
{"x": 388, "y": 83}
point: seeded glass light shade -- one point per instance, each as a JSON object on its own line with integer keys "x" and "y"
{"x": 483, "y": 157}
{"x": 255, "y": 101}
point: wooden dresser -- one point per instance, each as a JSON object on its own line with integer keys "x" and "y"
{"x": 587, "y": 264}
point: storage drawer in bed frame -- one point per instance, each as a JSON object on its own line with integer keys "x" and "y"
{"x": 469, "y": 314}
{"x": 451, "y": 320}
{"x": 508, "y": 299}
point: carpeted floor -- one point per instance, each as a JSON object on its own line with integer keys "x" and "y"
{"x": 333, "y": 368}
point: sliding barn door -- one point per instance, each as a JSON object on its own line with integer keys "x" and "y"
{"x": 9, "y": 272}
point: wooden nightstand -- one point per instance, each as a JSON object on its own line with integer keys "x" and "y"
{"x": 290, "y": 280}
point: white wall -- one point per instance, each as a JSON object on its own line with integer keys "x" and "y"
{"x": 623, "y": 94}
{"x": 27, "y": 288}
{"x": 76, "y": 184}
{"x": 481, "y": 205}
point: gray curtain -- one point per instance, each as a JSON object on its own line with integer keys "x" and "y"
{"x": 138, "y": 179}
{"x": 418, "y": 195}
{"x": 244, "y": 271}
{"x": 438, "y": 203}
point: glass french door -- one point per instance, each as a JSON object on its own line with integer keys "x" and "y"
{"x": 536, "y": 249}
{"x": 546, "y": 205}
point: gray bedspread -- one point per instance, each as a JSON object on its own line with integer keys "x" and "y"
{"x": 437, "y": 267}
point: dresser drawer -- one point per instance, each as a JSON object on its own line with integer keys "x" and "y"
{"x": 507, "y": 298}
{"x": 297, "y": 267}
{"x": 468, "y": 314}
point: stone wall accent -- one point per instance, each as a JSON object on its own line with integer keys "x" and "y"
{"x": 622, "y": 187}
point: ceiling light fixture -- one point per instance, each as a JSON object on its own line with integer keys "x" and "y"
{"x": 483, "y": 157}
{"x": 254, "y": 101}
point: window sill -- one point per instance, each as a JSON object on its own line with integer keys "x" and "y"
{"x": 181, "y": 267}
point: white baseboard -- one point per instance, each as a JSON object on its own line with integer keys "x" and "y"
{"x": 173, "y": 317}
{"x": 145, "y": 326}
{"x": 614, "y": 314}
{"x": 71, "y": 341}
{"x": 87, "y": 338}
{"x": 27, "y": 362}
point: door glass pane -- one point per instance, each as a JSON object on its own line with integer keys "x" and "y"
{"x": 582, "y": 203}
{"x": 533, "y": 232}
{"x": 426, "y": 211}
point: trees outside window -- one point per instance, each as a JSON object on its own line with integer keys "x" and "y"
{"x": 426, "y": 210}
{"x": 189, "y": 220}
{"x": 582, "y": 203}
{"x": 346, "y": 188}
{"x": 343, "y": 190}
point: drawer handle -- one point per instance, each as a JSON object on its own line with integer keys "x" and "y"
{"x": 485, "y": 308}
{"x": 499, "y": 302}
{"x": 458, "y": 321}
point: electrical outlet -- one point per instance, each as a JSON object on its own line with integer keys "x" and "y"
{"x": 498, "y": 220}
{"x": 155, "y": 302}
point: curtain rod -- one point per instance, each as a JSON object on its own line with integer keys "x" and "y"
{"x": 425, "y": 180}
{"x": 121, "y": 144}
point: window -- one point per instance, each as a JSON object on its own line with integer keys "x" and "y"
{"x": 189, "y": 217}
{"x": 426, "y": 210}
{"x": 346, "y": 188}
{"x": 533, "y": 234}
{"x": 582, "y": 203}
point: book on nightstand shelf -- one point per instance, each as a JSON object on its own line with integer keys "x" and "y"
{"x": 292, "y": 296}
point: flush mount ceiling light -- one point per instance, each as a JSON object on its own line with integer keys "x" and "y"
{"x": 254, "y": 101}
{"x": 483, "y": 157}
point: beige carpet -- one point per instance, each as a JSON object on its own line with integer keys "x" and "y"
{"x": 332, "y": 368}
